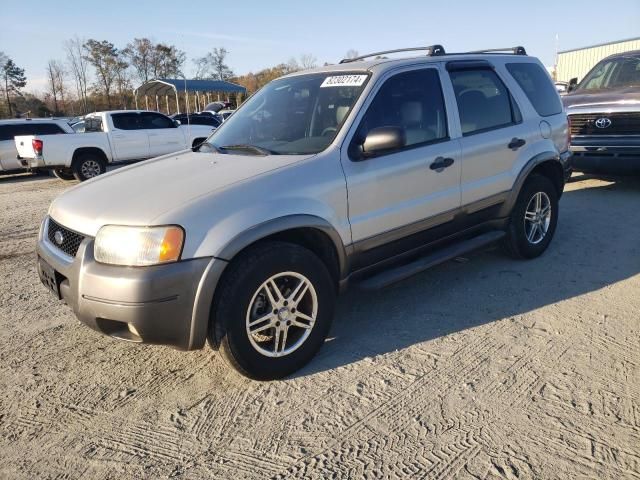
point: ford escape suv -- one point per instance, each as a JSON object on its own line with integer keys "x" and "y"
{"x": 362, "y": 173}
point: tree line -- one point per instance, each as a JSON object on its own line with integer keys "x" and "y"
{"x": 97, "y": 75}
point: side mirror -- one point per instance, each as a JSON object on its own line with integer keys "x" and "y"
{"x": 381, "y": 140}
{"x": 573, "y": 83}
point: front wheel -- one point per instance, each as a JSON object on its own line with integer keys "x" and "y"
{"x": 88, "y": 166}
{"x": 273, "y": 310}
{"x": 534, "y": 218}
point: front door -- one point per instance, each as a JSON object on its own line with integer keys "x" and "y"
{"x": 404, "y": 191}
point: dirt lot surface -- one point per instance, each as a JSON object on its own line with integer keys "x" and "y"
{"x": 482, "y": 368}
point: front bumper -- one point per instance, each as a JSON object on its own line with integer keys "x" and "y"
{"x": 163, "y": 304}
{"x": 602, "y": 154}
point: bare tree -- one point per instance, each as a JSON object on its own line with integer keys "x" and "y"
{"x": 79, "y": 69}
{"x": 308, "y": 61}
{"x": 55, "y": 77}
{"x": 213, "y": 65}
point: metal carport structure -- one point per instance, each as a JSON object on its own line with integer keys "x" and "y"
{"x": 165, "y": 87}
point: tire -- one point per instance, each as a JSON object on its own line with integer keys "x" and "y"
{"x": 197, "y": 143}
{"x": 87, "y": 166}
{"x": 63, "y": 173}
{"x": 522, "y": 241}
{"x": 241, "y": 298}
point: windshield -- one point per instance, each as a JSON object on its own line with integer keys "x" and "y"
{"x": 615, "y": 73}
{"x": 296, "y": 115}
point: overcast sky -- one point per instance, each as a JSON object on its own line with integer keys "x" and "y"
{"x": 259, "y": 34}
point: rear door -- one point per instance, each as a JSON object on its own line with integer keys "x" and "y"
{"x": 494, "y": 136}
{"x": 396, "y": 197}
{"x": 130, "y": 140}
{"x": 164, "y": 135}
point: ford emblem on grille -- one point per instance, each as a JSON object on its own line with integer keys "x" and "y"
{"x": 603, "y": 122}
{"x": 58, "y": 237}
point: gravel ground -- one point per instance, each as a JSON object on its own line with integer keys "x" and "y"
{"x": 481, "y": 368}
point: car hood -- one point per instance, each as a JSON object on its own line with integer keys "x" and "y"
{"x": 140, "y": 193}
{"x": 609, "y": 96}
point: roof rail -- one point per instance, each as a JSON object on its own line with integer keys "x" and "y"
{"x": 432, "y": 51}
{"x": 515, "y": 50}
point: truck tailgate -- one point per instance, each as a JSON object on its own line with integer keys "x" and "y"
{"x": 24, "y": 147}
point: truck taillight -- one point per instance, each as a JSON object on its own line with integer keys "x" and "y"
{"x": 37, "y": 146}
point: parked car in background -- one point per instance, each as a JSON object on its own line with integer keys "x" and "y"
{"x": 9, "y": 129}
{"x": 78, "y": 127}
{"x": 363, "y": 173}
{"x": 217, "y": 106}
{"x": 198, "y": 119}
{"x": 562, "y": 87}
{"x": 225, "y": 114}
{"x": 604, "y": 114}
{"x": 114, "y": 136}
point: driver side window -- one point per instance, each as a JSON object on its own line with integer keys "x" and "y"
{"x": 412, "y": 101}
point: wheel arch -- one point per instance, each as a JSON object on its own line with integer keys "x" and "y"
{"x": 547, "y": 164}
{"x": 89, "y": 150}
{"x": 309, "y": 231}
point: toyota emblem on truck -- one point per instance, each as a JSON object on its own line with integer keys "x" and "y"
{"x": 603, "y": 122}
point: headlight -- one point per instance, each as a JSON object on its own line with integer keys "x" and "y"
{"x": 138, "y": 246}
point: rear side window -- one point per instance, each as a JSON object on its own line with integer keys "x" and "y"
{"x": 484, "y": 103}
{"x": 126, "y": 121}
{"x": 537, "y": 86}
{"x": 46, "y": 129}
{"x": 155, "y": 120}
{"x": 6, "y": 132}
{"x": 410, "y": 100}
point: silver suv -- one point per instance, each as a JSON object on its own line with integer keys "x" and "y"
{"x": 362, "y": 173}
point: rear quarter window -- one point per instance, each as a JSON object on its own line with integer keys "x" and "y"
{"x": 537, "y": 86}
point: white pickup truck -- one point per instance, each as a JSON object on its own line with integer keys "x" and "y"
{"x": 114, "y": 136}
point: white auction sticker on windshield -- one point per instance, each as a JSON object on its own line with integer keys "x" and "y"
{"x": 344, "y": 81}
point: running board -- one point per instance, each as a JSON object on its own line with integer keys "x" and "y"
{"x": 401, "y": 272}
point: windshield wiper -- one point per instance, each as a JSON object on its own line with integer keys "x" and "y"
{"x": 250, "y": 148}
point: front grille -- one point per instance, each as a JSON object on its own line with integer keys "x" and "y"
{"x": 70, "y": 240}
{"x": 621, "y": 124}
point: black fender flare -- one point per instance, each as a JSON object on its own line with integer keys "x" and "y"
{"x": 281, "y": 224}
{"x": 535, "y": 161}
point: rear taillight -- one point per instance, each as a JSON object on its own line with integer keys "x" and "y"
{"x": 37, "y": 146}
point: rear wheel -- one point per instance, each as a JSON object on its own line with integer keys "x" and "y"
{"x": 87, "y": 166}
{"x": 273, "y": 310}
{"x": 63, "y": 173}
{"x": 533, "y": 219}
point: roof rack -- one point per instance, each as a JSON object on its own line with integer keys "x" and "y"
{"x": 515, "y": 50}
{"x": 432, "y": 51}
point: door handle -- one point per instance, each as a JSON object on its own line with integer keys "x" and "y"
{"x": 440, "y": 163}
{"x": 516, "y": 143}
